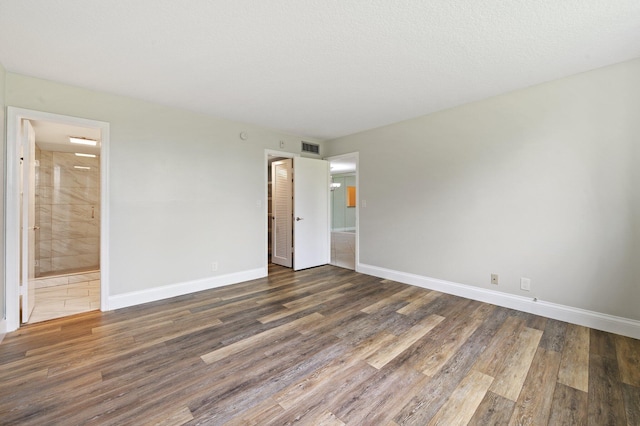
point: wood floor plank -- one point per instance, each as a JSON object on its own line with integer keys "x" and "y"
{"x": 206, "y": 358}
{"x": 452, "y": 336}
{"x": 631, "y": 396}
{"x": 511, "y": 375}
{"x": 179, "y": 417}
{"x": 493, "y": 410}
{"x": 404, "y": 295}
{"x": 240, "y": 400}
{"x": 419, "y": 302}
{"x": 394, "y": 401}
{"x": 304, "y": 303}
{"x": 327, "y": 418}
{"x": 260, "y": 414}
{"x": 434, "y": 394}
{"x": 383, "y": 355}
{"x": 606, "y": 406}
{"x": 569, "y": 406}
{"x": 491, "y": 359}
{"x": 464, "y": 400}
{"x": 574, "y": 365}
{"x": 533, "y": 406}
{"x": 602, "y": 344}
{"x": 366, "y": 325}
{"x": 234, "y": 348}
{"x": 553, "y": 337}
{"x": 628, "y": 356}
{"x": 325, "y": 395}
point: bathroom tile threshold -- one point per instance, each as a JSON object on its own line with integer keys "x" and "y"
{"x": 63, "y": 295}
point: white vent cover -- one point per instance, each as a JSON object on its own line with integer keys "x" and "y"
{"x": 312, "y": 148}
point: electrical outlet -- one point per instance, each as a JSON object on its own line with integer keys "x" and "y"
{"x": 525, "y": 284}
{"x": 214, "y": 266}
{"x": 281, "y": 144}
{"x": 494, "y": 279}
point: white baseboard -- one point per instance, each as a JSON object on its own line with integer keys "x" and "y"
{"x": 3, "y": 328}
{"x": 158, "y": 293}
{"x": 605, "y": 322}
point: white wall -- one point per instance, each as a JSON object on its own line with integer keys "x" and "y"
{"x": 540, "y": 183}
{"x": 184, "y": 188}
{"x": 2, "y": 151}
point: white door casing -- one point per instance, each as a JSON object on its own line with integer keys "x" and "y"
{"x": 28, "y": 140}
{"x": 15, "y": 116}
{"x": 281, "y": 212}
{"x": 311, "y": 213}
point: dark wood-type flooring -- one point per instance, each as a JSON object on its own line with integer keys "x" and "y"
{"x": 325, "y": 346}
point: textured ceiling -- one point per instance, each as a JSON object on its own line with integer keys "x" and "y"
{"x": 317, "y": 68}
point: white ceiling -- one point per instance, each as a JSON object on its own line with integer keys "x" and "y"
{"x": 316, "y": 68}
{"x": 342, "y": 165}
{"x": 55, "y": 137}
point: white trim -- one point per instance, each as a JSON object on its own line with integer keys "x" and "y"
{"x": 172, "y": 290}
{"x": 3, "y": 328}
{"x": 355, "y": 155}
{"x": 12, "y": 208}
{"x": 610, "y": 323}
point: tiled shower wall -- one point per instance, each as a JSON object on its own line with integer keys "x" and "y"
{"x": 67, "y": 212}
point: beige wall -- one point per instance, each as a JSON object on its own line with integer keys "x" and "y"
{"x": 540, "y": 183}
{"x": 185, "y": 190}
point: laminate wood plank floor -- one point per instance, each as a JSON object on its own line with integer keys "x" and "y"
{"x": 324, "y": 346}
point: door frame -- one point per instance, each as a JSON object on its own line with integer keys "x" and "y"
{"x": 12, "y": 208}
{"x": 265, "y": 207}
{"x": 355, "y": 155}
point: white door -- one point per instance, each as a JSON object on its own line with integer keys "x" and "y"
{"x": 28, "y": 220}
{"x": 311, "y": 212}
{"x": 281, "y": 212}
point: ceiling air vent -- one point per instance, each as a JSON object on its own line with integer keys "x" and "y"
{"x": 312, "y": 148}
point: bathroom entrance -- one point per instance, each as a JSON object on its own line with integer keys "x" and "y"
{"x": 56, "y": 224}
{"x": 66, "y": 246}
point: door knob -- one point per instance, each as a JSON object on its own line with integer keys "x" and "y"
{"x": 35, "y": 228}
{"x": 298, "y": 219}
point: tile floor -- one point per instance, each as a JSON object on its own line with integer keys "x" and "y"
{"x": 343, "y": 249}
{"x": 64, "y": 295}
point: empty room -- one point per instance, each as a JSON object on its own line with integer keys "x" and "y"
{"x": 320, "y": 213}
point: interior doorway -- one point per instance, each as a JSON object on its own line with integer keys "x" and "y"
{"x": 297, "y": 199}
{"x": 66, "y": 246}
{"x": 344, "y": 210}
{"x": 56, "y": 242}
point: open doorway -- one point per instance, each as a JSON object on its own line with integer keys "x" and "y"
{"x": 66, "y": 247}
{"x": 279, "y": 250}
{"x": 298, "y": 216}
{"x": 344, "y": 210}
{"x": 56, "y": 186}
